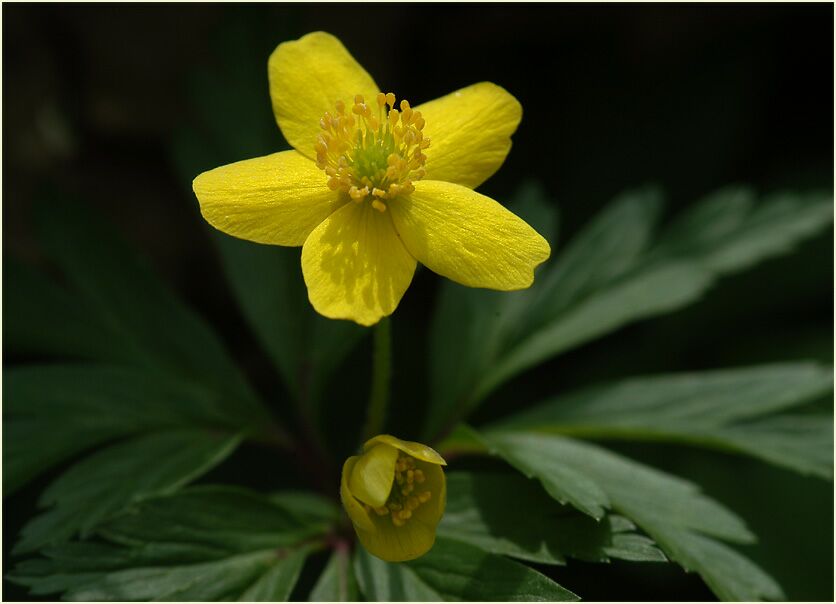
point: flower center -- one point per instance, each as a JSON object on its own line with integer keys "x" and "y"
{"x": 404, "y": 499}
{"x": 372, "y": 154}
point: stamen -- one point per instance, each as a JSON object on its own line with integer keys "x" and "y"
{"x": 372, "y": 156}
{"x": 402, "y": 503}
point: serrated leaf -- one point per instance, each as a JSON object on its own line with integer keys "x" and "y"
{"x": 469, "y": 324}
{"x": 646, "y": 293}
{"x": 204, "y": 543}
{"x": 681, "y": 520}
{"x": 640, "y": 489}
{"x": 115, "y": 311}
{"x": 731, "y": 576}
{"x": 54, "y": 412}
{"x": 724, "y": 409}
{"x": 149, "y": 326}
{"x": 728, "y": 232}
{"x": 102, "y": 484}
{"x": 231, "y": 519}
{"x": 277, "y": 583}
{"x": 803, "y": 443}
{"x": 454, "y": 571}
{"x": 532, "y": 526}
{"x": 194, "y": 582}
{"x": 608, "y": 247}
{"x": 671, "y": 275}
{"x": 337, "y": 582}
{"x": 609, "y": 276}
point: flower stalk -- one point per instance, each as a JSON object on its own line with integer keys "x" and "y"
{"x": 381, "y": 378}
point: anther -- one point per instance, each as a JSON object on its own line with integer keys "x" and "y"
{"x": 374, "y": 156}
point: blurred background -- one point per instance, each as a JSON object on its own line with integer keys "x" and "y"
{"x": 100, "y": 103}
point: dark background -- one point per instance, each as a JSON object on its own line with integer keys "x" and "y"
{"x": 692, "y": 97}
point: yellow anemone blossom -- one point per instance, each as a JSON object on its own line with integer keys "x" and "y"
{"x": 374, "y": 185}
{"x": 394, "y": 494}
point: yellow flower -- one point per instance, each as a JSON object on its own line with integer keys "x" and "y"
{"x": 375, "y": 185}
{"x": 394, "y": 494}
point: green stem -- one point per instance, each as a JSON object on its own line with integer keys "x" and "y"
{"x": 381, "y": 376}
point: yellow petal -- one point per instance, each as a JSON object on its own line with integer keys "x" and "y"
{"x": 371, "y": 479}
{"x": 307, "y": 77}
{"x": 416, "y": 450}
{"x": 356, "y": 512}
{"x": 468, "y": 237}
{"x": 277, "y": 199}
{"x": 470, "y": 133}
{"x": 416, "y": 537}
{"x": 355, "y": 266}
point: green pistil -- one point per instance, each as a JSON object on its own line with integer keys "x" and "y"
{"x": 369, "y": 158}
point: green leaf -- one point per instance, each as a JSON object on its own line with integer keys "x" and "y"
{"x": 608, "y": 247}
{"x": 230, "y": 519}
{"x": 469, "y": 324}
{"x": 641, "y": 295}
{"x": 102, "y": 484}
{"x": 609, "y": 276}
{"x": 54, "y": 412}
{"x": 387, "y": 582}
{"x": 150, "y": 326}
{"x": 204, "y": 543}
{"x": 729, "y": 232}
{"x": 726, "y": 409}
{"x": 670, "y": 275}
{"x": 168, "y": 384}
{"x": 453, "y": 571}
{"x": 337, "y": 582}
{"x": 803, "y": 443}
{"x": 532, "y": 526}
{"x": 312, "y": 508}
{"x": 194, "y": 582}
{"x": 277, "y": 583}
{"x": 681, "y": 520}
{"x": 731, "y": 576}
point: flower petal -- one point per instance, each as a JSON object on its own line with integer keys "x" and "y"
{"x": 307, "y": 77}
{"x": 416, "y": 537}
{"x": 371, "y": 479}
{"x": 359, "y": 517}
{"x": 470, "y": 133}
{"x": 468, "y": 237}
{"x": 416, "y": 450}
{"x": 277, "y": 199}
{"x": 355, "y": 266}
